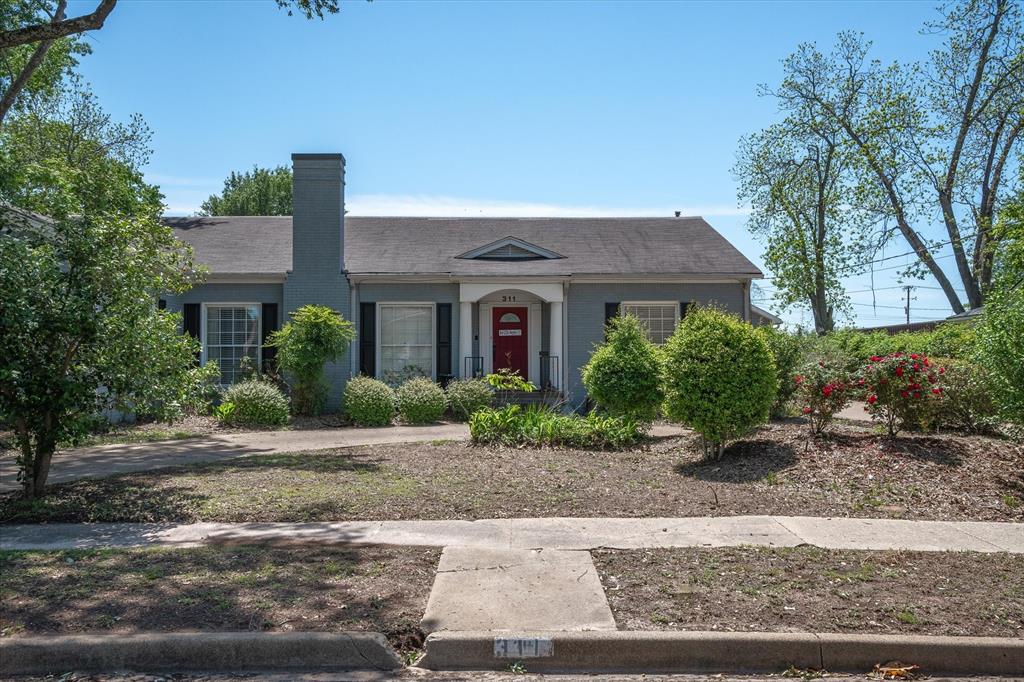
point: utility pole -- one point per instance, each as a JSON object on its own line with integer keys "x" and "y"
{"x": 906, "y": 309}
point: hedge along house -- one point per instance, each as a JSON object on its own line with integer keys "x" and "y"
{"x": 448, "y": 297}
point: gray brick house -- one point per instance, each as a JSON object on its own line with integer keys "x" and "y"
{"x": 449, "y": 297}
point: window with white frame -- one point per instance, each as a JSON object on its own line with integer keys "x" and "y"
{"x": 232, "y": 332}
{"x": 406, "y": 339}
{"x": 658, "y": 318}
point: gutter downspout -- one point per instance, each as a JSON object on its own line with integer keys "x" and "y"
{"x": 746, "y": 300}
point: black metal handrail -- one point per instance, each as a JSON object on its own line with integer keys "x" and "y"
{"x": 473, "y": 366}
{"x": 549, "y": 375}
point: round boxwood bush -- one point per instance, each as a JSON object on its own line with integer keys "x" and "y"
{"x": 254, "y": 403}
{"x": 466, "y": 396}
{"x": 420, "y": 401}
{"x": 623, "y": 375}
{"x": 719, "y": 377}
{"x": 369, "y": 402}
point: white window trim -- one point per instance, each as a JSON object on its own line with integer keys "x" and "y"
{"x": 433, "y": 333}
{"x": 231, "y": 304}
{"x": 675, "y": 307}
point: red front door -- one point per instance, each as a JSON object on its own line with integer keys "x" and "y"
{"x": 510, "y": 339}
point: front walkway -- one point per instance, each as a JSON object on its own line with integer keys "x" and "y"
{"x": 543, "y": 533}
{"x": 108, "y": 460}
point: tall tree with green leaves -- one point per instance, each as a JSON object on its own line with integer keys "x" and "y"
{"x": 933, "y": 141}
{"x": 795, "y": 176}
{"x": 261, "y": 191}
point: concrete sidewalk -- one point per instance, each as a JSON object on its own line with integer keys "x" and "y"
{"x": 108, "y": 460}
{"x": 544, "y": 533}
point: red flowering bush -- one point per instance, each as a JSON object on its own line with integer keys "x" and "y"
{"x": 822, "y": 390}
{"x": 901, "y": 389}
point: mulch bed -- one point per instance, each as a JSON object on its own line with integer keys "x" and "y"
{"x": 378, "y": 589}
{"x": 777, "y": 470}
{"x": 810, "y": 589}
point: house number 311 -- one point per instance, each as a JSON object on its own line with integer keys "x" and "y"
{"x": 508, "y": 299}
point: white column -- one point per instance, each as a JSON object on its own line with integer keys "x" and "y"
{"x": 465, "y": 338}
{"x": 555, "y": 343}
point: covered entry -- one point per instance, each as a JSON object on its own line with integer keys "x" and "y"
{"x": 504, "y": 322}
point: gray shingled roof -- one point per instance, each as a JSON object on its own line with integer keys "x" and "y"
{"x": 599, "y": 246}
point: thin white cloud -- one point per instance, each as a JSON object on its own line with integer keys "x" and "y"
{"x": 433, "y": 205}
{"x": 186, "y": 202}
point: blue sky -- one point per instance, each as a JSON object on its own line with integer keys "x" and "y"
{"x": 535, "y": 108}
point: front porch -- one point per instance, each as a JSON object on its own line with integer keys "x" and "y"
{"x": 514, "y": 325}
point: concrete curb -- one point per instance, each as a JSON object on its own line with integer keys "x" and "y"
{"x": 754, "y": 652}
{"x": 197, "y": 651}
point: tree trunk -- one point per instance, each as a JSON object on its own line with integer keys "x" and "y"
{"x": 40, "y": 471}
{"x": 33, "y": 64}
{"x": 57, "y": 29}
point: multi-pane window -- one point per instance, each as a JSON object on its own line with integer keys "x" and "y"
{"x": 659, "y": 319}
{"x": 232, "y": 333}
{"x": 406, "y": 339}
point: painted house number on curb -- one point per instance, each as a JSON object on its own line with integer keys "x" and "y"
{"x": 523, "y": 647}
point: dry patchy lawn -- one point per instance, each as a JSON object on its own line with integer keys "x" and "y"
{"x": 810, "y": 589}
{"x": 380, "y": 589}
{"x": 777, "y": 470}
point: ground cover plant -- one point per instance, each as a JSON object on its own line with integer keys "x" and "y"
{"x": 420, "y": 401}
{"x": 816, "y": 590}
{"x": 229, "y": 588}
{"x": 719, "y": 377}
{"x": 623, "y": 375}
{"x": 253, "y": 402}
{"x": 466, "y": 396}
{"x": 849, "y": 471}
{"x": 314, "y": 336}
{"x": 512, "y": 425}
{"x": 369, "y": 402}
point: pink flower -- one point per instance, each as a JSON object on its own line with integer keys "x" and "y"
{"x": 798, "y": 379}
{"x": 872, "y": 399}
{"x": 808, "y": 410}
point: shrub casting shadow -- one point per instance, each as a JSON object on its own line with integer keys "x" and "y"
{"x": 744, "y": 461}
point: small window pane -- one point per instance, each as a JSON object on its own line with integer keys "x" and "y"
{"x": 406, "y": 339}
{"x": 508, "y": 318}
{"x": 658, "y": 319}
{"x": 232, "y": 333}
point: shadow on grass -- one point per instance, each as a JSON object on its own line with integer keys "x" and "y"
{"x": 744, "y": 461}
{"x": 175, "y": 494}
{"x": 217, "y": 589}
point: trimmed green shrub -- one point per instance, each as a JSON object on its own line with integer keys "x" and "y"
{"x": 1000, "y": 349}
{"x": 787, "y": 352}
{"x": 315, "y": 336}
{"x": 719, "y": 377}
{"x": 466, "y": 396}
{"x": 253, "y": 403}
{"x": 966, "y": 403}
{"x": 420, "y": 401}
{"x": 902, "y": 390}
{"x": 538, "y": 426}
{"x": 947, "y": 340}
{"x": 623, "y": 375}
{"x": 822, "y": 389}
{"x": 369, "y": 402}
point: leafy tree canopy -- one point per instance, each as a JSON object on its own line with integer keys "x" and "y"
{"x": 261, "y": 191}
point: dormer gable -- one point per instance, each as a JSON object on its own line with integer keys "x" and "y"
{"x": 510, "y": 249}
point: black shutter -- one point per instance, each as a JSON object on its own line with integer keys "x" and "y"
{"x": 190, "y": 323}
{"x": 684, "y": 307}
{"x": 269, "y": 319}
{"x": 610, "y": 310}
{"x": 368, "y": 339}
{"x": 444, "y": 342}
{"x": 161, "y": 304}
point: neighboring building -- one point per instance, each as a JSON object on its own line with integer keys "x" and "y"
{"x": 449, "y": 297}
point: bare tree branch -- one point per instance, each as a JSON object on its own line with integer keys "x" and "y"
{"x": 33, "y": 63}
{"x": 58, "y": 29}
